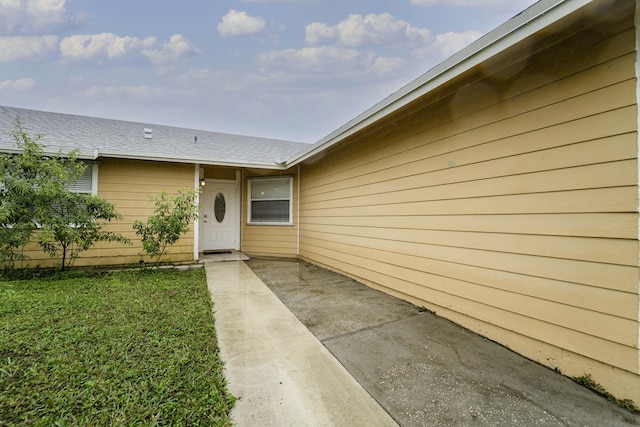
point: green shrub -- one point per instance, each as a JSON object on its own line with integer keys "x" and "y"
{"x": 35, "y": 195}
{"x": 169, "y": 222}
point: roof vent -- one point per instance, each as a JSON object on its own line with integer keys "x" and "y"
{"x": 147, "y": 133}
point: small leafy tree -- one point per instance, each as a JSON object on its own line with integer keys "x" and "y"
{"x": 35, "y": 195}
{"x": 28, "y": 181}
{"x": 13, "y": 236}
{"x": 75, "y": 224}
{"x": 169, "y": 222}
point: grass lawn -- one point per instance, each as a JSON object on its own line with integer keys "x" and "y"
{"x": 124, "y": 348}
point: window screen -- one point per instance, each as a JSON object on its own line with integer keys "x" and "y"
{"x": 85, "y": 182}
{"x": 270, "y": 200}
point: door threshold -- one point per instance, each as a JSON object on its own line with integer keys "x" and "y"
{"x": 218, "y": 256}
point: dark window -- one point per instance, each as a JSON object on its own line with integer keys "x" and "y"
{"x": 219, "y": 207}
{"x": 270, "y": 200}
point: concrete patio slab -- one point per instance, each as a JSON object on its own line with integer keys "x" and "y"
{"x": 425, "y": 370}
{"x": 279, "y": 371}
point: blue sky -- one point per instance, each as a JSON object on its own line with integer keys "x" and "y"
{"x": 284, "y": 69}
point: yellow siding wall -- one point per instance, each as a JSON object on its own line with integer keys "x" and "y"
{"x": 129, "y": 184}
{"x": 219, "y": 172}
{"x": 269, "y": 240}
{"x": 506, "y": 201}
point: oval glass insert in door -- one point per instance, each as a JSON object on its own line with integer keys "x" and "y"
{"x": 219, "y": 207}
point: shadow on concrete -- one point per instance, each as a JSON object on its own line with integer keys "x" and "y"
{"x": 425, "y": 370}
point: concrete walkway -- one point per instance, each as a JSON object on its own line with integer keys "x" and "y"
{"x": 423, "y": 370}
{"x": 279, "y": 371}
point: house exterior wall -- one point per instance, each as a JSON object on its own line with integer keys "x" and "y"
{"x": 506, "y": 201}
{"x": 129, "y": 184}
{"x": 269, "y": 240}
{"x": 216, "y": 172}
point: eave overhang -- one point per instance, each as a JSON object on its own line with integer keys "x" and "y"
{"x": 98, "y": 154}
{"x": 529, "y": 22}
{"x": 190, "y": 160}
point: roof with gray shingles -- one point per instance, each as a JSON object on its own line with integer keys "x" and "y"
{"x": 96, "y": 137}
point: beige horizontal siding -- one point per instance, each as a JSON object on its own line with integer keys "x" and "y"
{"x": 445, "y": 132}
{"x": 561, "y": 129}
{"x": 560, "y": 325}
{"x": 283, "y": 242}
{"x": 465, "y": 167}
{"x": 604, "y": 175}
{"x": 270, "y": 240}
{"x": 517, "y": 274}
{"x": 506, "y": 201}
{"x": 129, "y": 185}
{"x": 605, "y": 251}
{"x": 619, "y": 199}
{"x": 602, "y": 300}
{"x": 117, "y": 259}
{"x": 578, "y": 225}
{"x": 216, "y": 172}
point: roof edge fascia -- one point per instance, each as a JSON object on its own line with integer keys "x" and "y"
{"x": 134, "y": 156}
{"x": 518, "y": 28}
{"x": 81, "y": 155}
{"x": 190, "y": 160}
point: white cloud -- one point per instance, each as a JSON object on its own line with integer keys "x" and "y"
{"x": 142, "y": 91}
{"x": 97, "y": 47}
{"x": 24, "y": 16}
{"x": 387, "y": 65}
{"x": 237, "y": 23}
{"x": 175, "y": 49}
{"x": 319, "y": 32}
{"x": 195, "y": 75}
{"x": 350, "y": 50}
{"x": 19, "y": 85}
{"x": 449, "y": 43}
{"x": 351, "y": 47}
{"x": 324, "y": 60}
{"x": 109, "y": 46}
{"x": 372, "y": 29}
{"x": 26, "y": 48}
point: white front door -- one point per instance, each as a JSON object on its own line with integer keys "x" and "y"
{"x": 218, "y": 217}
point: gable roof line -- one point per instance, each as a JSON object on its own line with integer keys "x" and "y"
{"x": 191, "y": 160}
{"x": 523, "y": 25}
{"x": 97, "y": 137}
{"x": 173, "y": 159}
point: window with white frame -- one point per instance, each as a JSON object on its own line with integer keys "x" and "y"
{"x": 87, "y": 183}
{"x": 270, "y": 200}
